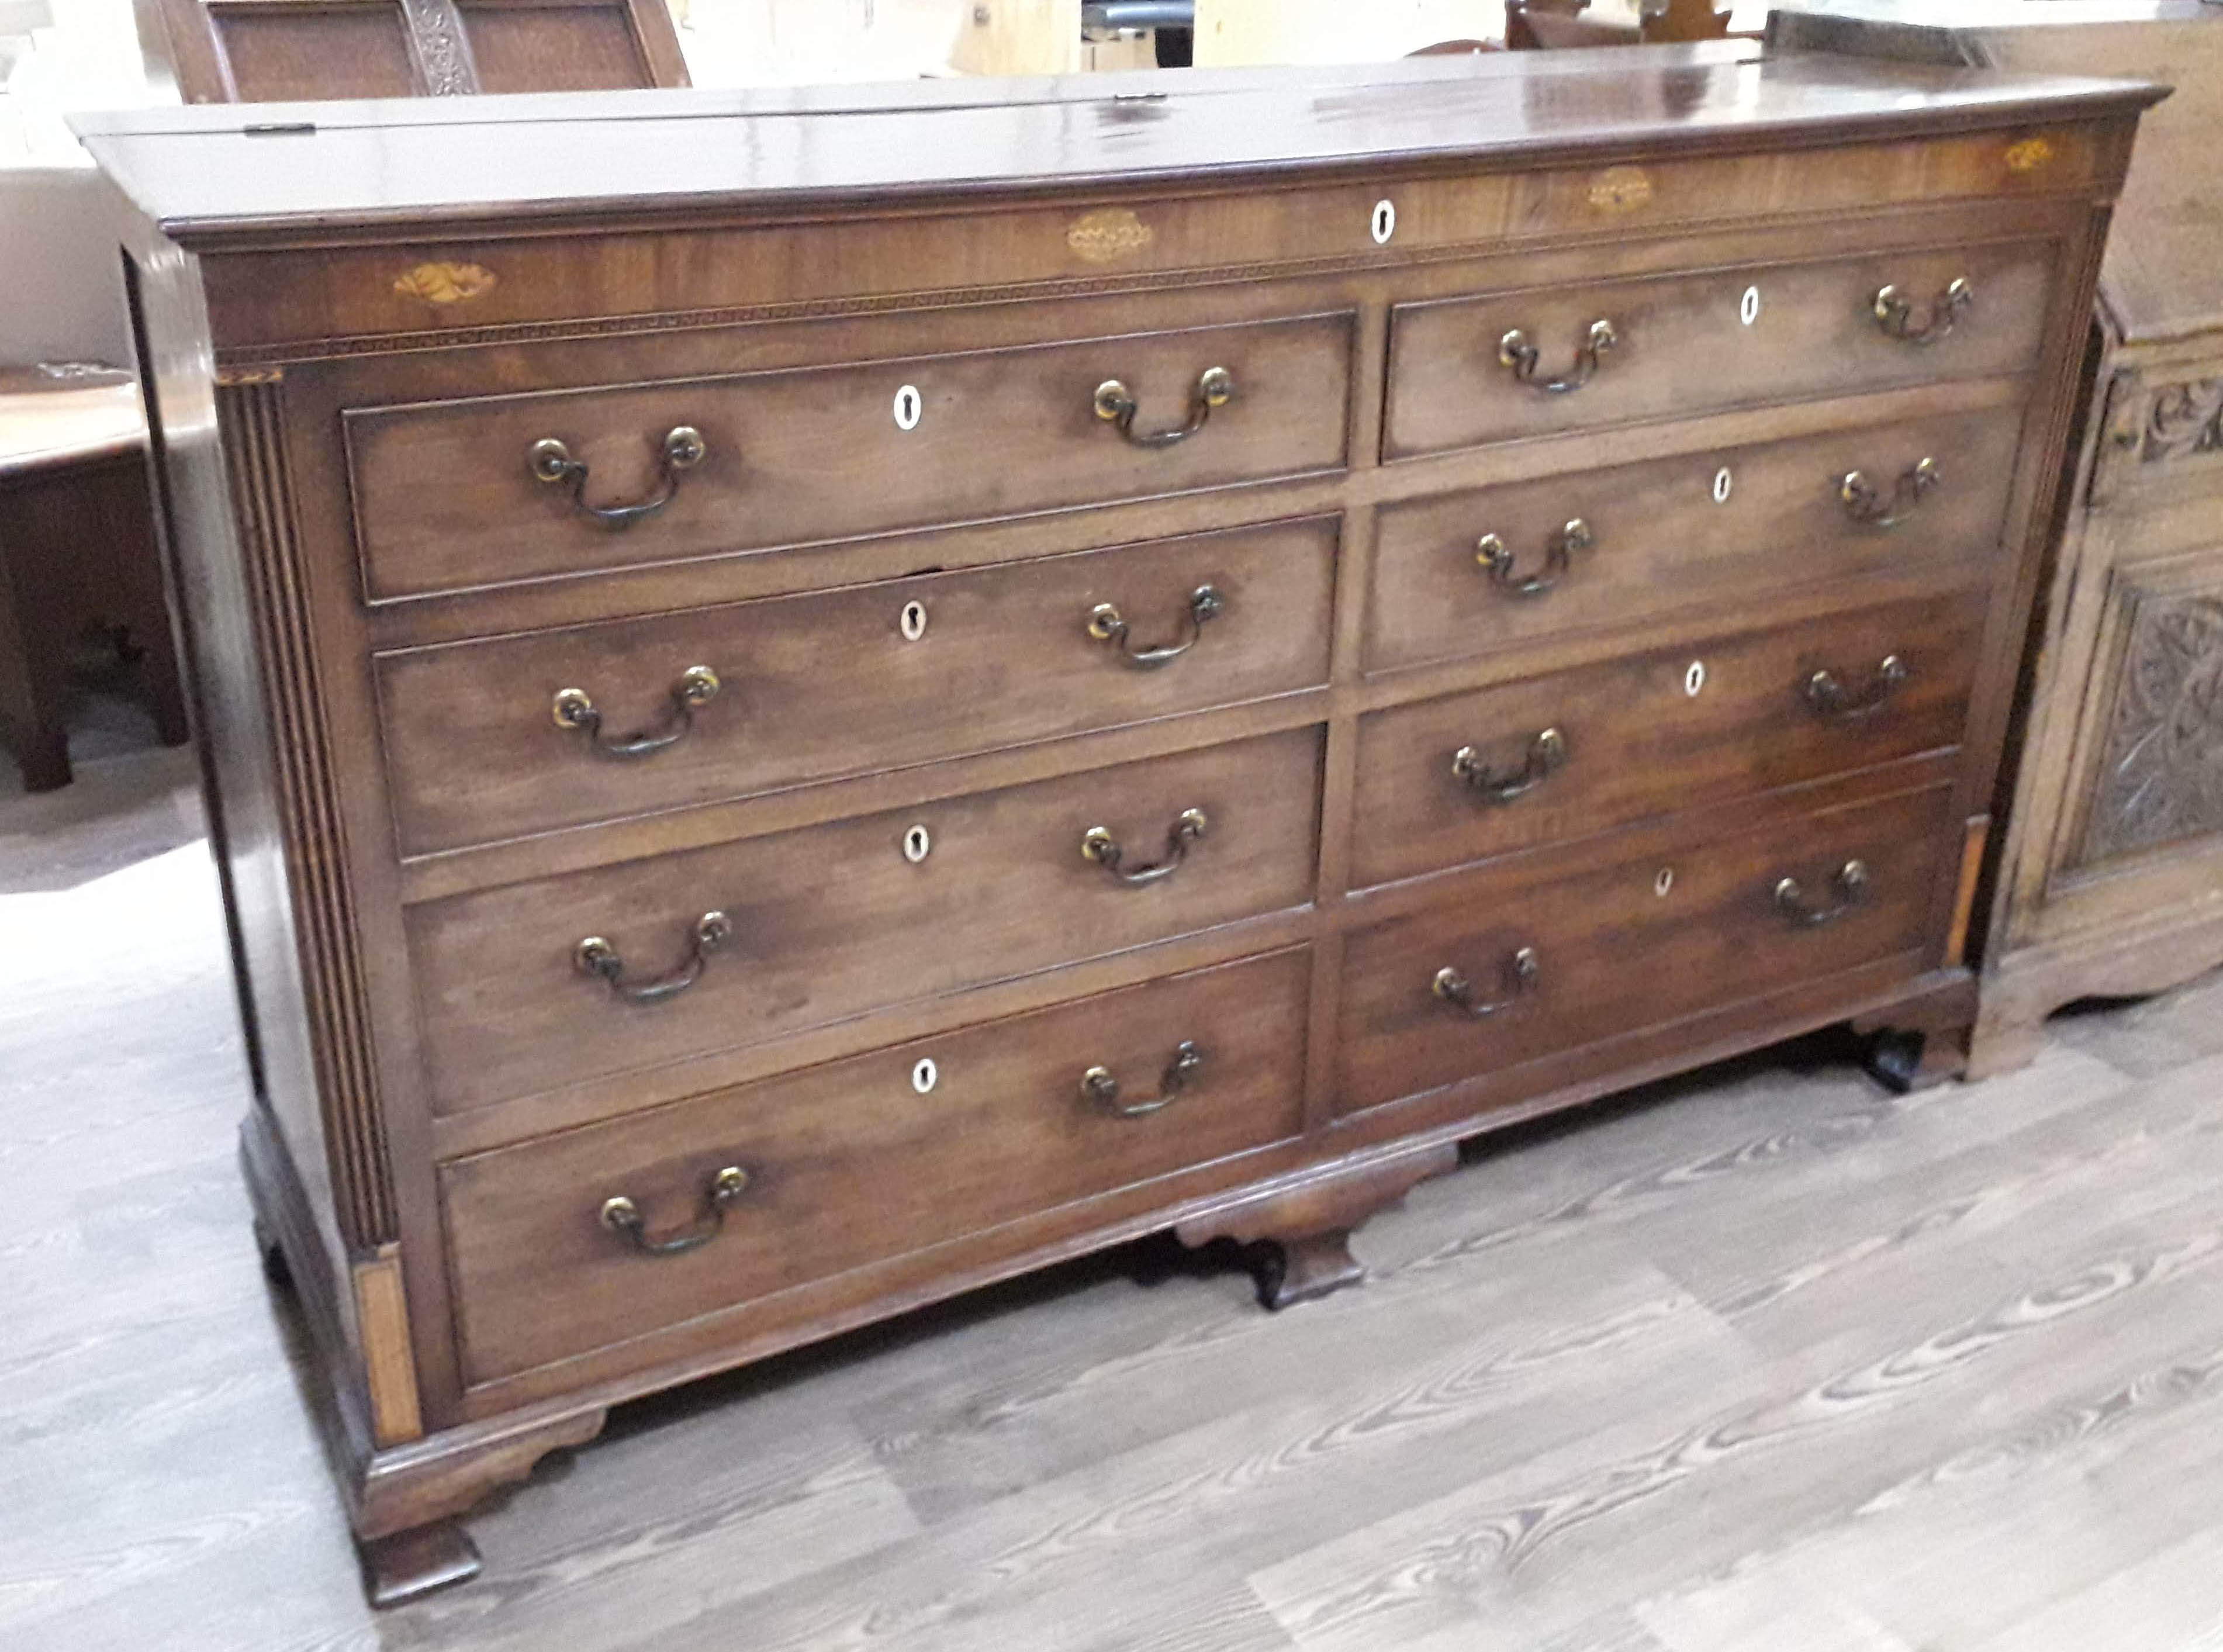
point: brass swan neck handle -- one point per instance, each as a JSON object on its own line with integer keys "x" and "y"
{"x": 1852, "y": 881}
{"x": 575, "y": 709}
{"x": 1869, "y": 508}
{"x": 1500, "y": 563}
{"x": 1116, "y": 405}
{"x": 1894, "y": 313}
{"x": 1099, "y": 845}
{"x": 1829, "y": 697}
{"x": 1100, "y": 1088}
{"x": 599, "y": 957}
{"x": 1108, "y": 626}
{"x": 1546, "y": 754}
{"x": 683, "y": 449}
{"x": 1517, "y": 352}
{"x": 1451, "y": 988}
{"x": 621, "y": 1216}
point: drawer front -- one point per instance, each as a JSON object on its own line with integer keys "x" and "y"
{"x": 1681, "y": 344}
{"x": 845, "y": 682}
{"x": 828, "y": 922}
{"x": 1691, "y": 531}
{"x": 1565, "y": 756}
{"x": 1611, "y": 953}
{"x": 867, "y": 1159}
{"x": 447, "y": 496}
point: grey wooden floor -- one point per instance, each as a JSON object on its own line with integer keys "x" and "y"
{"x": 1764, "y": 1359}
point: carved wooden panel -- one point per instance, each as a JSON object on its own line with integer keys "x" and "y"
{"x": 260, "y": 51}
{"x": 2186, "y": 420}
{"x": 442, "y": 51}
{"x": 2160, "y": 779}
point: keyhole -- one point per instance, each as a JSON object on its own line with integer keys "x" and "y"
{"x": 917, "y": 844}
{"x": 1723, "y": 483}
{"x": 1664, "y": 882}
{"x": 1385, "y": 222}
{"x": 1694, "y": 679}
{"x": 1748, "y": 311}
{"x": 909, "y": 407}
{"x": 913, "y": 621}
{"x": 925, "y": 1075}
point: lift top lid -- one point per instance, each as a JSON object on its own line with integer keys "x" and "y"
{"x": 268, "y": 174}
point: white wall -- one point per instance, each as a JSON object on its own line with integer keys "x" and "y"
{"x": 61, "y": 290}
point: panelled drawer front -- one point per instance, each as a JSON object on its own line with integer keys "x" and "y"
{"x": 447, "y": 498}
{"x": 829, "y": 922}
{"x": 1713, "y": 528}
{"x": 1582, "y": 751}
{"x": 873, "y": 677}
{"x": 867, "y": 1159}
{"x": 1681, "y": 344}
{"x": 1633, "y": 947}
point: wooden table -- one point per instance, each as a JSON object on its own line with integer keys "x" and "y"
{"x": 77, "y": 556}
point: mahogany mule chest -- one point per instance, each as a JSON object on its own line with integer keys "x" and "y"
{"x": 811, "y": 701}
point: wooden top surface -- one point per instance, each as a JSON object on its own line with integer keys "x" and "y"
{"x": 2005, "y": 14}
{"x": 272, "y": 171}
{"x": 48, "y": 422}
{"x": 2163, "y": 277}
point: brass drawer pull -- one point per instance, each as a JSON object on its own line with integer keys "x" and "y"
{"x": 1098, "y": 844}
{"x": 698, "y": 685}
{"x": 621, "y": 1216}
{"x": 1547, "y": 751}
{"x": 1829, "y": 698}
{"x": 1115, "y": 403}
{"x": 1107, "y": 625}
{"x": 683, "y": 448}
{"x": 1454, "y": 989}
{"x": 1894, "y": 312}
{"x": 1865, "y": 505}
{"x": 1518, "y": 352}
{"x": 1852, "y": 881}
{"x": 1498, "y": 562}
{"x": 1098, "y": 1086}
{"x": 596, "y": 956}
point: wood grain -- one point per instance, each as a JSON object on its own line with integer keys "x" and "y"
{"x": 510, "y": 989}
{"x": 1684, "y": 347}
{"x": 836, "y": 920}
{"x": 1702, "y": 1255}
{"x": 828, "y": 686}
{"x": 446, "y": 497}
{"x": 1664, "y": 543}
{"x": 1635, "y": 740}
{"x": 864, "y": 1160}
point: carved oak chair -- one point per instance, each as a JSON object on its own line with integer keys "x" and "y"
{"x": 265, "y": 51}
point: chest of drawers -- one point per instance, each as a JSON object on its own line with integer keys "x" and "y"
{"x": 2111, "y": 876}
{"x": 810, "y": 702}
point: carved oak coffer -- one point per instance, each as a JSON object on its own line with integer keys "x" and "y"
{"x": 817, "y": 706}
{"x": 2110, "y": 879}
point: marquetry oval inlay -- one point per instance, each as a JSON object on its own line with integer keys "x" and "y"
{"x": 444, "y": 283}
{"x": 1112, "y": 233}
{"x": 1621, "y": 189}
